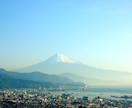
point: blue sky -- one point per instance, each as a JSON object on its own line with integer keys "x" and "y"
{"x": 96, "y": 32}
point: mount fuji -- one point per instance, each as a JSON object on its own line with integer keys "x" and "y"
{"x": 60, "y": 58}
{"x": 56, "y": 64}
{"x": 60, "y": 64}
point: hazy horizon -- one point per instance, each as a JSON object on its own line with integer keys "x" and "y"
{"x": 97, "y": 33}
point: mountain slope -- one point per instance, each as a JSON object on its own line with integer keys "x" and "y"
{"x": 41, "y": 77}
{"x": 90, "y": 81}
{"x": 7, "y": 81}
{"x": 59, "y": 64}
{"x": 60, "y": 58}
{"x": 52, "y": 65}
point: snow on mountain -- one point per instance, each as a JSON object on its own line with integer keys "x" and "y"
{"x": 59, "y": 64}
{"x": 60, "y": 58}
{"x": 56, "y": 64}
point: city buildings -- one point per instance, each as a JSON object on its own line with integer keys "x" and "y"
{"x": 41, "y": 98}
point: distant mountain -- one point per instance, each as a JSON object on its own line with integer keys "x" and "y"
{"x": 60, "y": 58}
{"x": 41, "y": 77}
{"x": 52, "y": 65}
{"x": 7, "y": 81}
{"x": 90, "y": 81}
{"x": 60, "y": 63}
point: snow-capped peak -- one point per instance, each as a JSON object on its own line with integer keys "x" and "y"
{"x": 60, "y": 58}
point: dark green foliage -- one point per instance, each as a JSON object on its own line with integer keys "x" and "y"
{"x": 9, "y": 82}
{"x": 32, "y": 80}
